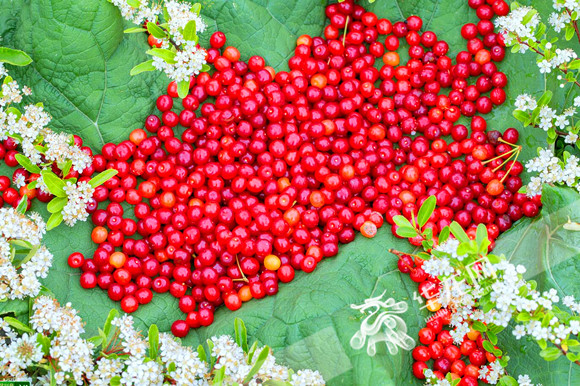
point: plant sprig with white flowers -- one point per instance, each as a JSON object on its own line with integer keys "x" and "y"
{"x": 523, "y": 30}
{"x": 484, "y": 292}
{"x": 176, "y": 25}
{"x": 23, "y": 257}
{"x": 52, "y": 160}
{"x": 52, "y": 350}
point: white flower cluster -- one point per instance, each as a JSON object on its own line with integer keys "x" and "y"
{"x": 18, "y": 352}
{"x": 492, "y": 373}
{"x": 188, "y": 62}
{"x": 552, "y": 171}
{"x": 562, "y": 57}
{"x": 179, "y": 15}
{"x": 72, "y": 355}
{"x": 231, "y": 356}
{"x": 565, "y": 10}
{"x": 510, "y": 295}
{"x": 512, "y": 27}
{"x": 438, "y": 266}
{"x": 61, "y": 148}
{"x": 75, "y": 360}
{"x": 79, "y": 195}
{"x": 18, "y": 283}
{"x": 189, "y": 58}
{"x": 144, "y": 12}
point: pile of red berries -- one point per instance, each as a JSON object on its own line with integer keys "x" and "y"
{"x": 273, "y": 170}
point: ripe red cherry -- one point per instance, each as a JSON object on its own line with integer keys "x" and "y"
{"x": 180, "y": 328}
{"x": 426, "y": 335}
{"x": 76, "y": 260}
{"x": 129, "y": 304}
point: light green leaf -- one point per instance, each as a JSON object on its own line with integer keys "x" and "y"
{"x": 258, "y": 364}
{"x": 53, "y": 183}
{"x": 134, "y": 30}
{"x": 165, "y": 54}
{"x": 550, "y": 354}
{"x": 102, "y": 177}
{"x": 189, "y": 31}
{"x": 426, "y": 210}
{"x": 142, "y": 67}
{"x": 241, "y": 335}
{"x": 27, "y": 164}
{"x": 22, "y": 205}
{"x": 156, "y": 31}
{"x": 14, "y": 57}
{"x": 17, "y": 324}
{"x": 54, "y": 220}
{"x": 183, "y": 88}
{"x": 153, "y": 341}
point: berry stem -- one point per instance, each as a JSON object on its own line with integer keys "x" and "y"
{"x": 511, "y": 166}
{"x": 344, "y": 33}
{"x": 518, "y": 148}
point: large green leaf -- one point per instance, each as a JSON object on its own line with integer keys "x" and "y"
{"x": 80, "y": 69}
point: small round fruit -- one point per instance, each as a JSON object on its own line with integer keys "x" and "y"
{"x": 272, "y": 262}
{"x": 76, "y": 260}
{"x": 180, "y": 329}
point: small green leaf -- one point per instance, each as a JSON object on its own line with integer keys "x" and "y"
{"x": 542, "y": 343}
{"x": 492, "y": 337}
{"x": 27, "y": 164}
{"x": 210, "y": 358}
{"x": 156, "y": 31}
{"x": 142, "y": 67}
{"x": 251, "y": 351}
{"x": 14, "y": 57}
{"x": 167, "y": 55}
{"x": 189, "y": 31}
{"x": 545, "y": 99}
{"x": 550, "y": 354}
{"x": 426, "y": 210}
{"x": 183, "y": 88}
{"x": 56, "y": 204}
{"x": 134, "y": 3}
{"x": 569, "y": 32}
{"x": 54, "y": 184}
{"x": 521, "y": 116}
{"x": 17, "y": 324}
{"x": 44, "y": 342}
{"x": 219, "y": 376}
{"x": 115, "y": 381}
{"x": 205, "y": 68}
{"x": 402, "y": 221}
{"x": 406, "y": 231}
{"x": 102, "y": 177}
{"x": 458, "y": 232}
{"x": 241, "y": 334}
{"x": 574, "y": 65}
{"x": 96, "y": 340}
{"x": 478, "y": 326}
{"x": 201, "y": 353}
{"x": 66, "y": 168}
{"x": 22, "y": 205}
{"x": 444, "y": 235}
{"x": 258, "y": 364}
{"x": 488, "y": 346}
{"x": 134, "y": 30}
{"x": 153, "y": 341}
{"x": 506, "y": 380}
{"x": 112, "y": 315}
{"x": 529, "y": 16}
{"x": 54, "y": 220}
{"x": 481, "y": 234}
{"x": 196, "y": 8}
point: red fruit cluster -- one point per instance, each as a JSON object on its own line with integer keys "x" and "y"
{"x": 437, "y": 346}
{"x": 273, "y": 170}
{"x": 13, "y": 196}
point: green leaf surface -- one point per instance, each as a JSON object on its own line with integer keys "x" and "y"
{"x": 14, "y": 57}
{"x": 81, "y": 65}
